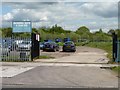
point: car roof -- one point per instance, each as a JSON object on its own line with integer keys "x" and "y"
{"x": 69, "y": 41}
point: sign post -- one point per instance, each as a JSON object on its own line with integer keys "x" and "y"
{"x": 26, "y": 27}
{"x": 35, "y": 51}
{"x": 22, "y": 26}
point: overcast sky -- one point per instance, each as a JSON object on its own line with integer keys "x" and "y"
{"x": 69, "y": 15}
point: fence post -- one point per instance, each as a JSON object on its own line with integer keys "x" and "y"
{"x": 114, "y": 46}
{"x": 118, "y": 52}
{"x": 35, "y": 46}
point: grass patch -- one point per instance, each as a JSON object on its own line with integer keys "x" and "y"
{"x": 45, "y": 57}
{"x": 14, "y": 58}
{"x": 81, "y": 43}
{"x": 116, "y": 69}
{"x": 60, "y": 43}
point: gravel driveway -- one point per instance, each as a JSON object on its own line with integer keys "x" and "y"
{"x": 82, "y": 55}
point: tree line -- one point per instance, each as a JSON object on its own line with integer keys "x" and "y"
{"x": 82, "y": 33}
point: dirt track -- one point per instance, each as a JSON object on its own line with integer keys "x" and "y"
{"x": 82, "y": 55}
{"x": 78, "y": 50}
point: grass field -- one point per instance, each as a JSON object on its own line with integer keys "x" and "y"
{"x": 117, "y": 70}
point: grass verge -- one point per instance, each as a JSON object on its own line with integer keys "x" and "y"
{"x": 116, "y": 69}
{"x": 107, "y": 46}
{"x": 45, "y": 57}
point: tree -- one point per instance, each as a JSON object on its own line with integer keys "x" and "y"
{"x": 118, "y": 33}
{"x": 7, "y": 32}
{"x": 56, "y": 29}
{"x": 111, "y": 31}
{"x": 73, "y": 36}
{"x": 82, "y": 30}
{"x": 101, "y": 36}
{"x": 34, "y": 30}
{"x": 100, "y": 30}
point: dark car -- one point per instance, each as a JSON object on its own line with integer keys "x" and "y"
{"x": 57, "y": 40}
{"x": 66, "y": 39}
{"x": 50, "y": 46}
{"x": 69, "y": 46}
{"x": 41, "y": 45}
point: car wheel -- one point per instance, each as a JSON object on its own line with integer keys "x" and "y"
{"x": 43, "y": 49}
{"x": 63, "y": 50}
{"x": 57, "y": 49}
{"x": 74, "y": 50}
{"x": 54, "y": 49}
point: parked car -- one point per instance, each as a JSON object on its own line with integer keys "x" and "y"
{"x": 41, "y": 45}
{"x": 69, "y": 46}
{"x": 50, "y": 46}
{"x": 66, "y": 39}
{"x": 4, "y": 50}
{"x": 13, "y": 46}
{"x": 57, "y": 40}
{"x": 24, "y": 46}
{"x": 48, "y": 40}
{"x": 18, "y": 41}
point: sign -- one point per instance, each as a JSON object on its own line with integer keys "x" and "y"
{"x": 21, "y": 26}
{"x": 37, "y": 37}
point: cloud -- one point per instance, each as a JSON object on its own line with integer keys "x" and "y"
{"x": 60, "y": 1}
{"x": 69, "y": 14}
{"x": 106, "y": 10}
{"x": 8, "y": 16}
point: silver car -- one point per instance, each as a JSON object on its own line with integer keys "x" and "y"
{"x": 24, "y": 46}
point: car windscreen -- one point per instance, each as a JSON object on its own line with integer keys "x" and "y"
{"x": 41, "y": 43}
{"x": 26, "y": 42}
{"x": 69, "y": 43}
{"x": 52, "y": 43}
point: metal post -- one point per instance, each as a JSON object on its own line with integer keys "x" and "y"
{"x": 114, "y": 46}
{"x": 118, "y": 52}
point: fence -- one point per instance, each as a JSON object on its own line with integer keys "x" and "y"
{"x": 15, "y": 49}
{"x": 118, "y": 52}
